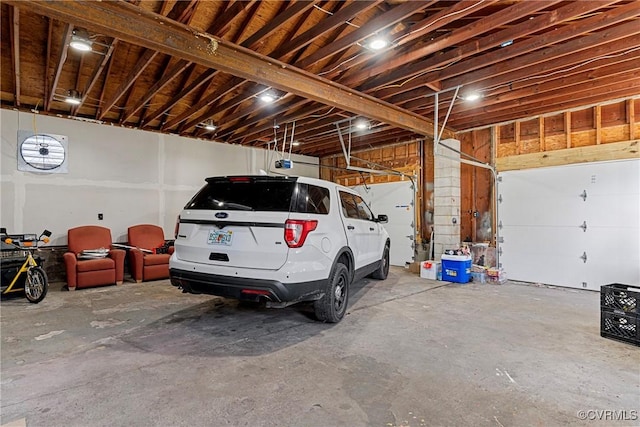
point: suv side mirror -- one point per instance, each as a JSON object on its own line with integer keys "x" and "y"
{"x": 383, "y": 219}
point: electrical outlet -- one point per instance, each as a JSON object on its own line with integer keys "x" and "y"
{"x": 100, "y": 217}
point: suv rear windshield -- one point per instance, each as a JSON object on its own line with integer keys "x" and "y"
{"x": 261, "y": 193}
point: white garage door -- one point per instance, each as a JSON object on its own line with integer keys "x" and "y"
{"x": 394, "y": 199}
{"x": 576, "y": 226}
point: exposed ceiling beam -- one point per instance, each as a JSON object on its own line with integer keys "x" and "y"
{"x": 614, "y": 91}
{"x": 335, "y": 20}
{"x": 251, "y": 90}
{"x": 168, "y": 77}
{"x": 185, "y": 91}
{"x": 143, "y": 61}
{"x": 289, "y": 13}
{"x": 404, "y": 92}
{"x": 418, "y": 30}
{"x": 47, "y": 62}
{"x": 553, "y": 55}
{"x": 468, "y": 32}
{"x": 569, "y": 84}
{"x": 429, "y": 47}
{"x": 560, "y": 65}
{"x": 14, "y": 35}
{"x": 95, "y": 76}
{"x": 249, "y": 124}
{"x": 379, "y": 23}
{"x": 259, "y": 131}
{"x": 152, "y": 31}
{"x": 253, "y": 40}
{"x": 62, "y": 56}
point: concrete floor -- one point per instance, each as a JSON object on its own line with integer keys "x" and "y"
{"x": 410, "y": 352}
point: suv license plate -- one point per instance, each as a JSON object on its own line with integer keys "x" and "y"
{"x": 219, "y": 237}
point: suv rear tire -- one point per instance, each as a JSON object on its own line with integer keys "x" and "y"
{"x": 333, "y": 305}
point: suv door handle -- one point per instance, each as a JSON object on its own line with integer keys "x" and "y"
{"x": 350, "y": 227}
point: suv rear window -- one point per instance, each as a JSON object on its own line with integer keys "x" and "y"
{"x": 251, "y": 193}
{"x": 312, "y": 199}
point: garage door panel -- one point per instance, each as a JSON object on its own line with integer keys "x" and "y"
{"x": 624, "y": 213}
{"x": 541, "y": 211}
{"x": 394, "y": 199}
{"x": 612, "y": 256}
{"x": 539, "y": 258}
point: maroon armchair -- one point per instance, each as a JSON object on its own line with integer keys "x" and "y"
{"x": 85, "y": 273}
{"x": 148, "y": 265}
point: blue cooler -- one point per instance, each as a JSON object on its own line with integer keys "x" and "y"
{"x": 456, "y": 268}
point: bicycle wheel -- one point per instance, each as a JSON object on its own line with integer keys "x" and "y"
{"x": 36, "y": 285}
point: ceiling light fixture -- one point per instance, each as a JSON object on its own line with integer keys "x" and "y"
{"x": 378, "y": 43}
{"x": 506, "y": 43}
{"x": 471, "y": 96}
{"x": 362, "y": 124}
{"x": 209, "y": 125}
{"x": 80, "y": 40}
{"x": 267, "y": 97}
{"x": 73, "y": 97}
{"x": 296, "y": 143}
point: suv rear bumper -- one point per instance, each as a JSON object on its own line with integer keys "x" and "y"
{"x": 246, "y": 288}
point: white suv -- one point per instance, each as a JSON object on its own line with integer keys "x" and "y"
{"x": 278, "y": 239}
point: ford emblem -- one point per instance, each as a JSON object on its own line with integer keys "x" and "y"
{"x": 222, "y": 215}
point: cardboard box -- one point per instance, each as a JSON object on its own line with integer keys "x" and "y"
{"x": 414, "y": 268}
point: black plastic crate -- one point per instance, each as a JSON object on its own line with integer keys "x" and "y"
{"x": 619, "y": 326}
{"x": 624, "y": 298}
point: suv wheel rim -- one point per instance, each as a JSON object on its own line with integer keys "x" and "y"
{"x": 339, "y": 295}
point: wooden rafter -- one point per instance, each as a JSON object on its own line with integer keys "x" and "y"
{"x": 613, "y": 91}
{"x": 15, "y": 53}
{"x": 402, "y": 93}
{"x": 344, "y": 14}
{"x": 62, "y": 56}
{"x": 575, "y": 51}
{"x": 289, "y": 13}
{"x": 378, "y": 24}
{"x": 479, "y": 27}
{"x": 211, "y": 60}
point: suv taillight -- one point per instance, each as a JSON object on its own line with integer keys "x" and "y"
{"x": 296, "y": 230}
{"x": 175, "y": 231}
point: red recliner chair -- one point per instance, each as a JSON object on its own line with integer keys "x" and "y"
{"x": 148, "y": 264}
{"x": 84, "y": 271}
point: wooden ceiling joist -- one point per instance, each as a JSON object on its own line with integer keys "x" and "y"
{"x": 200, "y": 61}
{"x": 62, "y": 56}
{"x": 162, "y": 35}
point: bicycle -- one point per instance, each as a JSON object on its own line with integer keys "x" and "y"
{"x": 30, "y": 277}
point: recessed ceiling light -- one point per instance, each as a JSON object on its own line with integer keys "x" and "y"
{"x": 506, "y": 43}
{"x": 378, "y": 43}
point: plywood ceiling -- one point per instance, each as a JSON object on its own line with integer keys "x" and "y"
{"x": 171, "y": 66}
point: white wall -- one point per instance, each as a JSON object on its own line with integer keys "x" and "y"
{"x": 129, "y": 176}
